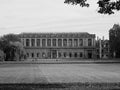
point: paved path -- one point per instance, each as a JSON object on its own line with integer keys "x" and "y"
{"x": 59, "y": 73}
{"x": 63, "y": 61}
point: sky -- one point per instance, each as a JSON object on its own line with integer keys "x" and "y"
{"x": 18, "y": 16}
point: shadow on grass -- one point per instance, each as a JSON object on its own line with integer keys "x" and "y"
{"x": 62, "y": 86}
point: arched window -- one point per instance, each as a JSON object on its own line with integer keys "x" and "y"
{"x": 27, "y": 54}
{"x": 33, "y": 42}
{"x": 54, "y": 42}
{"x": 59, "y": 42}
{"x": 38, "y": 42}
{"x": 27, "y": 42}
{"x": 37, "y": 54}
{"x": 75, "y": 42}
{"x": 32, "y": 55}
{"x": 89, "y": 42}
{"x": 43, "y": 42}
{"x": 70, "y": 55}
{"x": 49, "y": 42}
{"x": 80, "y": 42}
{"x": 43, "y": 55}
{"x": 64, "y": 42}
{"x": 59, "y": 54}
{"x": 81, "y": 54}
{"x": 75, "y": 55}
{"x": 70, "y": 42}
{"x": 65, "y": 54}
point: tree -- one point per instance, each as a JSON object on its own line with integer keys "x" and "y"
{"x": 10, "y": 38}
{"x": 105, "y": 6}
{"x": 2, "y": 55}
{"x": 12, "y": 47}
{"x": 20, "y": 52}
{"x": 114, "y": 37}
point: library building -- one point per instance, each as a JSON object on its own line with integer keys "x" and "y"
{"x": 59, "y": 45}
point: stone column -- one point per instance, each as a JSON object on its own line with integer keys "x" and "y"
{"x": 72, "y": 42}
{"x": 84, "y": 54}
{"x": 67, "y": 42}
{"x": 51, "y": 43}
{"x": 78, "y": 42}
{"x": 94, "y": 41}
{"x": 57, "y": 53}
{"x": 24, "y": 42}
{"x": 84, "y": 41}
{"x": 56, "y": 42}
{"x": 62, "y": 42}
{"x": 30, "y": 42}
{"x": 35, "y": 42}
{"x": 40, "y": 42}
{"x": 46, "y": 41}
{"x": 51, "y": 54}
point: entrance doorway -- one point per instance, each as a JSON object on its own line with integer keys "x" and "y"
{"x": 89, "y": 55}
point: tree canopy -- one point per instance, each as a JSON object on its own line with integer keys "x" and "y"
{"x": 10, "y": 38}
{"x": 114, "y": 36}
{"x": 12, "y": 47}
{"x": 105, "y": 6}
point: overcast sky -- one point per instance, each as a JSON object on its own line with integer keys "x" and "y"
{"x": 18, "y": 16}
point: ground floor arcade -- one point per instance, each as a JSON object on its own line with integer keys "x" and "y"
{"x": 51, "y": 53}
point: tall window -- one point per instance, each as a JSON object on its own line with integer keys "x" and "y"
{"x": 27, "y": 42}
{"x": 33, "y": 42}
{"x": 49, "y": 42}
{"x": 54, "y": 42}
{"x": 59, "y": 42}
{"x": 80, "y": 42}
{"x": 64, "y": 42}
{"x": 70, "y": 42}
{"x": 38, "y": 42}
{"x": 43, "y": 42}
{"x": 75, "y": 42}
{"x": 89, "y": 42}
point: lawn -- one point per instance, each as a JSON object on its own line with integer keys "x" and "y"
{"x": 62, "y": 74}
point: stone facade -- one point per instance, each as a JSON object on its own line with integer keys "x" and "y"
{"x": 58, "y": 45}
{"x": 102, "y": 49}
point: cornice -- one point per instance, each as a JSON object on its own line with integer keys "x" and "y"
{"x": 57, "y": 35}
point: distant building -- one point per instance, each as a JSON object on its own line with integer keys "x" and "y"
{"x": 102, "y": 49}
{"x": 59, "y": 45}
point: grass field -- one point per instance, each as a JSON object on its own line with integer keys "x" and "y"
{"x": 60, "y": 73}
